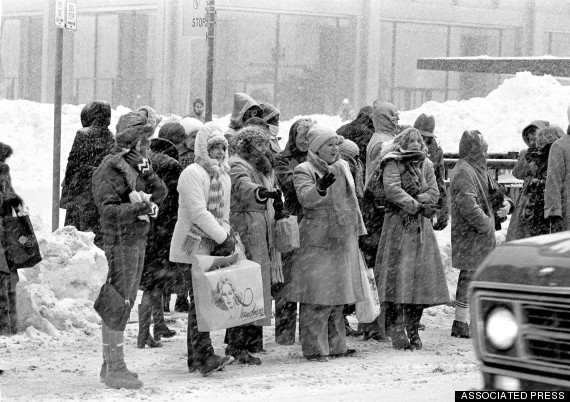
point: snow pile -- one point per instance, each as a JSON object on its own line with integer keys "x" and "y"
{"x": 58, "y": 293}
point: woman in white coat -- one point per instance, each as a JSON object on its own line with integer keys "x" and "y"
{"x": 203, "y": 228}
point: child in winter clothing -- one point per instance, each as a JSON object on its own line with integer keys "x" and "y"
{"x": 127, "y": 193}
{"x": 202, "y": 228}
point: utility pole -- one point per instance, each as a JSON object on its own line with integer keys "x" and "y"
{"x": 210, "y": 22}
{"x": 57, "y": 129}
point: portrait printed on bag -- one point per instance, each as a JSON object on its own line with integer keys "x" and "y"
{"x": 237, "y": 303}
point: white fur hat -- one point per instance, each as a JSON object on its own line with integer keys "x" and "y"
{"x": 191, "y": 124}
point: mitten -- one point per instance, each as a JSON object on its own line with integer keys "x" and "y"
{"x": 264, "y": 193}
{"x": 227, "y": 247}
{"x": 427, "y": 210}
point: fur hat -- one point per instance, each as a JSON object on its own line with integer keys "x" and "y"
{"x": 129, "y": 137}
{"x": 130, "y": 119}
{"x": 5, "y": 152}
{"x": 318, "y": 135}
{"x": 250, "y": 135}
{"x": 173, "y": 132}
{"x": 348, "y": 147}
{"x": 152, "y": 118}
{"x": 425, "y": 125}
{"x": 191, "y": 124}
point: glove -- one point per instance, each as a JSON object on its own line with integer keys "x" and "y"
{"x": 440, "y": 224}
{"x": 427, "y": 210}
{"x": 264, "y": 193}
{"x": 278, "y": 206}
{"x": 324, "y": 182}
{"x": 153, "y": 210}
{"x": 227, "y": 247}
{"x": 137, "y": 160}
{"x": 556, "y": 224}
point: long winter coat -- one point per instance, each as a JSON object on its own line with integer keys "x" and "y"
{"x": 472, "y": 217}
{"x": 556, "y": 199}
{"x": 251, "y": 220}
{"x": 325, "y": 270}
{"x": 435, "y": 154}
{"x": 158, "y": 270}
{"x": 91, "y": 144}
{"x": 111, "y": 186}
{"x": 408, "y": 264}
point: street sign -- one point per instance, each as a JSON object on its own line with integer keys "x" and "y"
{"x": 194, "y": 18}
{"x": 71, "y": 15}
{"x": 60, "y": 13}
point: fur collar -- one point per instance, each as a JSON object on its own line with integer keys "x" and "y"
{"x": 262, "y": 162}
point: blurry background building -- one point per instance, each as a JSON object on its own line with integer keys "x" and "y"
{"x": 305, "y": 56}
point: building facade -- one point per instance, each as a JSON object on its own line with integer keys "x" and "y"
{"x": 303, "y": 56}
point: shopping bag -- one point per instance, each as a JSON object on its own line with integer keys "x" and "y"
{"x": 112, "y": 307}
{"x": 368, "y": 309}
{"x": 20, "y": 244}
{"x": 287, "y": 234}
{"x": 226, "y": 297}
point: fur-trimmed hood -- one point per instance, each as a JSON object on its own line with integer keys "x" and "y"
{"x": 207, "y": 136}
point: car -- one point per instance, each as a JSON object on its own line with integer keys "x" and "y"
{"x": 520, "y": 315}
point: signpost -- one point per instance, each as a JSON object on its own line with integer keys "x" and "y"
{"x": 65, "y": 16}
{"x": 210, "y": 21}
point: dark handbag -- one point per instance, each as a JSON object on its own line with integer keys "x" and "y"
{"x": 20, "y": 243}
{"x": 112, "y": 307}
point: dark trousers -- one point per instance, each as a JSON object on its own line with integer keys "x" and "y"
{"x": 462, "y": 287}
{"x": 323, "y": 330}
{"x": 8, "y": 308}
{"x": 198, "y": 343}
{"x": 285, "y": 317}
{"x": 245, "y": 337}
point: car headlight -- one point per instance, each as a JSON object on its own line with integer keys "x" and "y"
{"x": 501, "y": 328}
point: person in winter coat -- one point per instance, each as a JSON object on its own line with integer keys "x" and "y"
{"x": 325, "y": 270}
{"x": 175, "y": 133}
{"x": 198, "y": 110}
{"x": 158, "y": 270}
{"x": 522, "y": 168}
{"x": 360, "y": 131}
{"x": 244, "y": 109}
{"x": 528, "y": 218}
{"x": 295, "y": 153}
{"x": 9, "y": 201}
{"x": 253, "y": 217}
{"x": 271, "y": 116}
{"x": 556, "y": 200}
{"x": 203, "y": 227}
{"x": 426, "y": 126}
{"x": 91, "y": 144}
{"x": 385, "y": 118}
{"x": 472, "y": 219}
{"x": 408, "y": 269}
{"x": 127, "y": 193}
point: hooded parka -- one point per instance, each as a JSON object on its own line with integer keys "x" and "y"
{"x": 384, "y": 130}
{"x": 91, "y": 144}
{"x": 242, "y": 103}
{"x": 556, "y": 199}
{"x": 408, "y": 266}
{"x": 472, "y": 217}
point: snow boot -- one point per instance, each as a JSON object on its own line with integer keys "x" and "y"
{"x": 106, "y": 354}
{"x": 413, "y": 316}
{"x": 118, "y": 375}
{"x": 145, "y": 338}
{"x": 103, "y": 371}
{"x": 397, "y": 333}
{"x": 160, "y": 329}
{"x": 243, "y": 357}
{"x": 214, "y": 363}
{"x": 460, "y": 329}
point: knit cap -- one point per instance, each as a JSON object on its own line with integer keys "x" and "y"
{"x": 191, "y": 124}
{"x": 348, "y": 147}
{"x": 129, "y": 137}
{"x": 130, "y": 119}
{"x": 173, "y": 132}
{"x": 318, "y": 135}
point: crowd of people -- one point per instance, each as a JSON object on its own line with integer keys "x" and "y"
{"x": 372, "y": 193}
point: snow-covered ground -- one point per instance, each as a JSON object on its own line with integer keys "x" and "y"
{"x": 57, "y": 353}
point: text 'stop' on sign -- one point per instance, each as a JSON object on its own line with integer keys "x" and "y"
{"x": 194, "y": 18}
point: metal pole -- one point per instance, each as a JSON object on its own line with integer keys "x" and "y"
{"x": 210, "y": 21}
{"x": 57, "y": 128}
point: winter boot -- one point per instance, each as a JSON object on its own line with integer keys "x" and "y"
{"x": 214, "y": 363}
{"x": 117, "y": 375}
{"x": 398, "y": 334}
{"x": 145, "y": 338}
{"x": 413, "y": 314}
{"x": 460, "y": 329}
{"x": 103, "y": 371}
{"x": 160, "y": 329}
{"x": 243, "y": 356}
{"x": 181, "y": 304}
